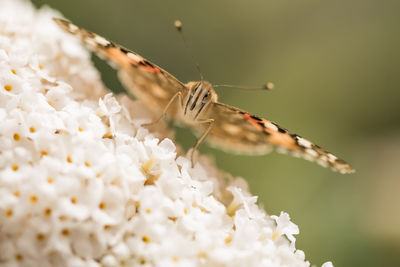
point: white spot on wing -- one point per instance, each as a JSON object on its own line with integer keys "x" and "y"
{"x": 308, "y": 157}
{"x": 312, "y": 152}
{"x": 90, "y": 42}
{"x": 271, "y": 126}
{"x": 101, "y": 40}
{"x": 303, "y": 142}
{"x": 323, "y": 163}
{"x": 134, "y": 57}
{"x": 232, "y": 129}
{"x": 73, "y": 28}
{"x": 332, "y": 157}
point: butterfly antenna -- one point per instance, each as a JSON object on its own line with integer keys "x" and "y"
{"x": 268, "y": 86}
{"x": 178, "y": 26}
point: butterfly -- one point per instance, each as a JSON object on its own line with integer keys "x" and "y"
{"x": 195, "y": 104}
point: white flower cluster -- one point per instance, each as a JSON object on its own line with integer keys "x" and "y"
{"x": 83, "y": 184}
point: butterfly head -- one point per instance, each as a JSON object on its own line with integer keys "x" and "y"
{"x": 200, "y": 96}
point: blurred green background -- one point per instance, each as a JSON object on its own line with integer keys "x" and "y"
{"x": 336, "y": 67}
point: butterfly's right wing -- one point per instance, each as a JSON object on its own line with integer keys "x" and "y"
{"x": 235, "y": 130}
{"x": 143, "y": 79}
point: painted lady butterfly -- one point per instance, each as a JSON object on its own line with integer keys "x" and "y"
{"x": 195, "y": 105}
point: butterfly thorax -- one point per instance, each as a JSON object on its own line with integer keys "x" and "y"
{"x": 197, "y": 100}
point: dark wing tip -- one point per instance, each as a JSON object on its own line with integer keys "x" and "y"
{"x": 60, "y": 22}
{"x": 66, "y": 25}
{"x": 343, "y": 167}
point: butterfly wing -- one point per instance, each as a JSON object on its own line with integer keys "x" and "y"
{"x": 142, "y": 78}
{"x": 237, "y": 131}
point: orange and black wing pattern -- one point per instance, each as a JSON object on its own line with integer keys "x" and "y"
{"x": 239, "y": 132}
{"x": 141, "y": 78}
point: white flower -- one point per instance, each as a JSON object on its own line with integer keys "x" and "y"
{"x": 83, "y": 184}
{"x": 285, "y": 227}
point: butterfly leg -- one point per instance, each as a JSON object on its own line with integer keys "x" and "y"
{"x": 177, "y": 95}
{"x": 204, "y": 135}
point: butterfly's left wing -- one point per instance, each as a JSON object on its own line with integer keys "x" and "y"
{"x": 143, "y": 79}
{"x": 237, "y": 131}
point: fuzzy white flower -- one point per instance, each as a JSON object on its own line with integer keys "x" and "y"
{"x": 83, "y": 184}
{"x": 285, "y": 227}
